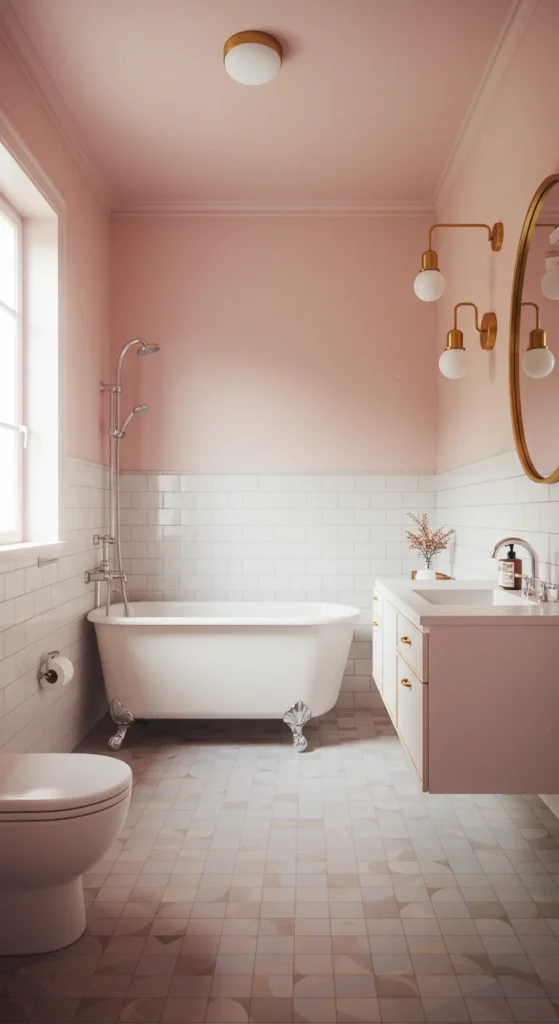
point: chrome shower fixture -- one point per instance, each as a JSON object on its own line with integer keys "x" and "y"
{"x": 116, "y": 434}
{"x": 120, "y": 432}
{"x": 142, "y": 350}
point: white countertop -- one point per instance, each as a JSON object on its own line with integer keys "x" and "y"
{"x": 407, "y": 597}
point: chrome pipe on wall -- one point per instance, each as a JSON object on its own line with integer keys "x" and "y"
{"x": 116, "y": 434}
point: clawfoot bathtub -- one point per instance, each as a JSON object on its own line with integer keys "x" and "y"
{"x": 175, "y": 659}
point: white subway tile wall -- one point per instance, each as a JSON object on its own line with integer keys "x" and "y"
{"x": 250, "y": 537}
{"x": 491, "y": 499}
{"x": 273, "y": 537}
{"x": 44, "y": 609}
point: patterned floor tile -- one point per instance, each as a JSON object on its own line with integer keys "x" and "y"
{"x": 254, "y": 884}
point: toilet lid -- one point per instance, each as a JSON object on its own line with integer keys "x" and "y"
{"x": 59, "y": 782}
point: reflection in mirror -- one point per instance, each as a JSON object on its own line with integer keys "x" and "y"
{"x": 539, "y": 338}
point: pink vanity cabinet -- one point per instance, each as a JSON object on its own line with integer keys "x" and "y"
{"x": 476, "y": 706}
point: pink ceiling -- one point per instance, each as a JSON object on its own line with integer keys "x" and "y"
{"x": 367, "y": 106}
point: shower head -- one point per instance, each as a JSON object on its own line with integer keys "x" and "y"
{"x": 138, "y": 410}
{"x": 142, "y": 350}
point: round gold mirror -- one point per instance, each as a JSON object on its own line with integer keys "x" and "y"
{"x": 534, "y": 337}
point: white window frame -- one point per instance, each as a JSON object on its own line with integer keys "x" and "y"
{"x": 10, "y": 214}
{"x": 42, "y": 210}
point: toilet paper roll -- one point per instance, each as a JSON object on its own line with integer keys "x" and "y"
{"x": 57, "y": 673}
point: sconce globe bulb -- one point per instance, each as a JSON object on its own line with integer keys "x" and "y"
{"x": 550, "y": 283}
{"x": 538, "y": 362}
{"x": 429, "y": 285}
{"x": 452, "y": 363}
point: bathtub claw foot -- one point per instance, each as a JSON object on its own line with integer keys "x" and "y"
{"x": 123, "y": 720}
{"x": 296, "y": 718}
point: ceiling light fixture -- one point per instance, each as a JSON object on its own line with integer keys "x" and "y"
{"x": 538, "y": 361}
{"x": 452, "y": 362}
{"x": 252, "y": 58}
{"x": 429, "y": 283}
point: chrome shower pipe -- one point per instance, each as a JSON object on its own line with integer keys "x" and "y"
{"x": 112, "y": 457}
{"x": 116, "y": 433}
{"x": 117, "y": 517}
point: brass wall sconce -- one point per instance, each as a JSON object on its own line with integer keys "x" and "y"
{"x": 429, "y": 283}
{"x": 538, "y": 361}
{"x": 452, "y": 362}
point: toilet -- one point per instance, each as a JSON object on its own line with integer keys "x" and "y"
{"x": 59, "y": 814}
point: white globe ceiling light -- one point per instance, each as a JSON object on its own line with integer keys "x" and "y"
{"x": 538, "y": 361}
{"x": 429, "y": 283}
{"x": 252, "y": 58}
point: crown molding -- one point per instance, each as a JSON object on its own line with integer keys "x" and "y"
{"x": 507, "y": 43}
{"x": 29, "y": 62}
{"x": 18, "y": 149}
{"x": 279, "y": 208}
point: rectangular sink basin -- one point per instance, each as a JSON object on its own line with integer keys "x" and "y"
{"x": 479, "y": 598}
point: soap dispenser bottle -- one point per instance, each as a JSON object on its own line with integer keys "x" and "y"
{"x": 510, "y": 571}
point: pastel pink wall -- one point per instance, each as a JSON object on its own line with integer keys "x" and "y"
{"x": 87, "y": 264}
{"x": 287, "y": 343}
{"x": 516, "y": 147}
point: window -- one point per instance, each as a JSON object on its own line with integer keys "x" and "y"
{"x": 32, "y": 216}
{"x": 12, "y": 432}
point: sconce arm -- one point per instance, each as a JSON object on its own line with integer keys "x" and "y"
{"x": 474, "y": 307}
{"x": 537, "y": 308}
{"x": 494, "y": 234}
{"x": 487, "y": 330}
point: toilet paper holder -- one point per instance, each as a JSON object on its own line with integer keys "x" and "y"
{"x": 45, "y": 672}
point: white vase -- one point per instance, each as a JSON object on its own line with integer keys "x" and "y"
{"x": 425, "y": 574}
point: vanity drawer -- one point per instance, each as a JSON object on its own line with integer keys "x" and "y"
{"x": 412, "y": 715}
{"x": 412, "y": 645}
{"x": 377, "y": 606}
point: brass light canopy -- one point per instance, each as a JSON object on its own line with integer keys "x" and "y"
{"x": 451, "y": 362}
{"x": 253, "y": 36}
{"x": 431, "y": 287}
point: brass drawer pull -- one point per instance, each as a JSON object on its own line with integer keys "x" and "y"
{"x": 406, "y": 682}
{"x": 405, "y": 640}
{"x": 375, "y": 623}
{"x": 375, "y": 598}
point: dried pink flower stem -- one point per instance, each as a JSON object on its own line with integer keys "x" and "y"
{"x": 428, "y": 542}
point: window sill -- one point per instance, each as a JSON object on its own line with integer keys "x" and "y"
{"x": 31, "y": 549}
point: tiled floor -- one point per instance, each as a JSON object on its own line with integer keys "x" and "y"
{"x": 255, "y": 884}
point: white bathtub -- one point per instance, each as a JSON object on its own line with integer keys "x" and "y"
{"x": 185, "y": 659}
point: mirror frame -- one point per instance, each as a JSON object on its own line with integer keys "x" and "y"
{"x": 514, "y": 341}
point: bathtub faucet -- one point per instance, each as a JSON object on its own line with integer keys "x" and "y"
{"x": 101, "y": 575}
